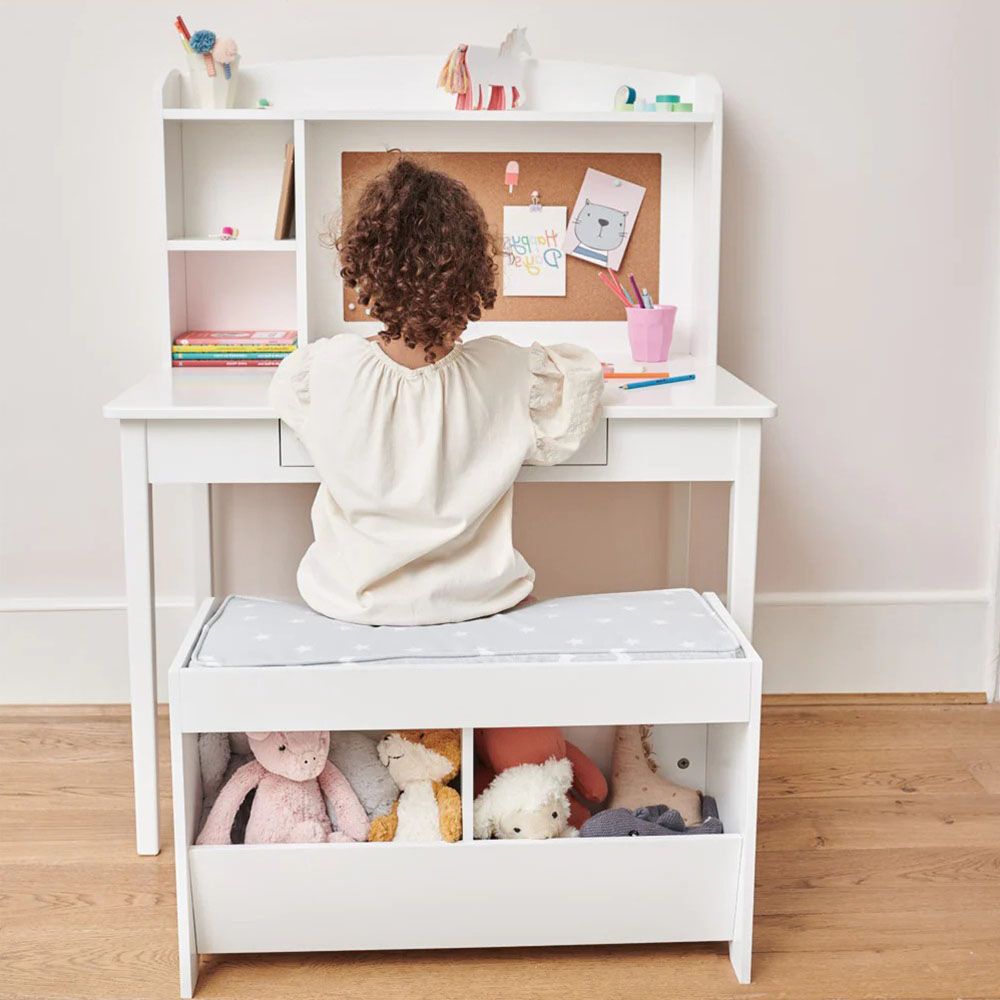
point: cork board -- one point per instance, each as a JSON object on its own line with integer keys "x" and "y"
{"x": 557, "y": 176}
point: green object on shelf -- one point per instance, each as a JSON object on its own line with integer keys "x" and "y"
{"x": 683, "y": 106}
{"x": 263, "y": 103}
{"x": 667, "y": 98}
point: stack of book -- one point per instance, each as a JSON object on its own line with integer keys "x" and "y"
{"x": 232, "y": 348}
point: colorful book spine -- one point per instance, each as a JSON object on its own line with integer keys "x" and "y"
{"x": 233, "y": 348}
{"x": 229, "y": 363}
{"x": 187, "y": 355}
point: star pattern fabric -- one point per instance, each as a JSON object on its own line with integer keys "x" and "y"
{"x": 612, "y": 628}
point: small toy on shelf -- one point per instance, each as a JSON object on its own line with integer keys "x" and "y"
{"x": 471, "y": 68}
{"x": 635, "y": 782}
{"x": 651, "y": 821}
{"x": 263, "y": 102}
{"x": 498, "y": 750}
{"x": 229, "y": 233}
{"x": 527, "y": 802}
{"x": 295, "y": 788}
{"x": 625, "y": 98}
{"x": 421, "y": 762}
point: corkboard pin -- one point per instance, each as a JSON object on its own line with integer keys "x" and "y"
{"x": 536, "y": 202}
{"x": 351, "y": 306}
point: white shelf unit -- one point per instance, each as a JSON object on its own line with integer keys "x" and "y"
{"x": 223, "y": 167}
{"x": 485, "y": 893}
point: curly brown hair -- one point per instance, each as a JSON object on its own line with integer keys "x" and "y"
{"x": 420, "y": 254}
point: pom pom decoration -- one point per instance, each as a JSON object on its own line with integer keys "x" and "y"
{"x": 225, "y": 52}
{"x": 203, "y": 42}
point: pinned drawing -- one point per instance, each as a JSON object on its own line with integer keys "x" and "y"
{"x": 476, "y": 72}
{"x": 533, "y": 261}
{"x": 603, "y": 218}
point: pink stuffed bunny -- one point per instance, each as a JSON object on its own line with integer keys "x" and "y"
{"x": 291, "y": 775}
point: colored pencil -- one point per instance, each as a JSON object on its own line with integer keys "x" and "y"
{"x": 658, "y": 381}
{"x": 636, "y": 374}
{"x": 613, "y": 287}
{"x": 635, "y": 288}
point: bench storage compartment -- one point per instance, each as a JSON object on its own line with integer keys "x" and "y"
{"x": 304, "y": 897}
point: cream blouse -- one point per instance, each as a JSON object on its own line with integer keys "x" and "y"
{"x": 412, "y": 519}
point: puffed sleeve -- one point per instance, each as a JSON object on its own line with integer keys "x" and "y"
{"x": 564, "y": 399}
{"x": 289, "y": 391}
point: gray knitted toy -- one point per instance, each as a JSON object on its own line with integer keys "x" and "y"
{"x": 356, "y": 756}
{"x": 651, "y": 821}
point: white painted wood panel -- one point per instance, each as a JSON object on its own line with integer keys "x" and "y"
{"x": 350, "y": 696}
{"x": 464, "y": 895}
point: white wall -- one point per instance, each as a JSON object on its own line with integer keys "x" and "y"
{"x": 859, "y": 282}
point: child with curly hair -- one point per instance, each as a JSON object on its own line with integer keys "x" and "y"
{"x": 417, "y": 437}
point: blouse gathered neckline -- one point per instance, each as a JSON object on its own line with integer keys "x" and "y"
{"x": 396, "y": 366}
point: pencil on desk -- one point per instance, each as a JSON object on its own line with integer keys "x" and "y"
{"x": 658, "y": 381}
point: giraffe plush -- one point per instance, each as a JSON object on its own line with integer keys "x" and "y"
{"x": 635, "y": 782}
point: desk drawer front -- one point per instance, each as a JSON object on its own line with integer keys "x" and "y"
{"x": 593, "y": 451}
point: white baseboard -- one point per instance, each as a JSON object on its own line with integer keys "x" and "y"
{"x": 848, "y": 642}
{"x": 72, "y": 650}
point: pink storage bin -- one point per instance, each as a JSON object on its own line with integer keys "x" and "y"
{"x": 650, "y": 332}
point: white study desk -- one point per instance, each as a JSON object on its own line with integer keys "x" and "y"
{"x": 204, "y": 427}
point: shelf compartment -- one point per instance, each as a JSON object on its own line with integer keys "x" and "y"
{"x": 220, "y": 174}
{"x": 484, "y": 894}
{"x": 221, "y": 290}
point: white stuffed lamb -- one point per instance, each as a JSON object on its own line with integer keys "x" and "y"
{"x": 527, "y": 802}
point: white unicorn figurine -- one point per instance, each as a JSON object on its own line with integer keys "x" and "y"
{"x": 471, "y": 68}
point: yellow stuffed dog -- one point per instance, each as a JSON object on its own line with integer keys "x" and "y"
{"x": 421, "y": 762}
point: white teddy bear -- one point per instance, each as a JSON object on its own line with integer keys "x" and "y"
{"x": 527, "y": 802}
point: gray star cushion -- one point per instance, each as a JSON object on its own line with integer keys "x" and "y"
{"x": 615, "y": 628}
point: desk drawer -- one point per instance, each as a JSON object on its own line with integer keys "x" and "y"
{"x": 593, "y": 451}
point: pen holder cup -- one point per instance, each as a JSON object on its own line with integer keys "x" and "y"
{"x": 650, "y": 332}
{"x": 212, "y": 91}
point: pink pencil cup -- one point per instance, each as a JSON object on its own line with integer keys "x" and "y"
{"x": 650, "y": 332}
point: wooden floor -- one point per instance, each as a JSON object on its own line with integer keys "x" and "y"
{"x": 878, "y": 877}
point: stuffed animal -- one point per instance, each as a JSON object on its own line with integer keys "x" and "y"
{"x": 355, "y": 755}
{"x": 651, "y": 821}
{"x": 635, "y": 782}
{"x": 291, "y": 779}
{"x": 500, "y": 749}
{"x": 421, "y": 761}
{"x": 526, "y": 802}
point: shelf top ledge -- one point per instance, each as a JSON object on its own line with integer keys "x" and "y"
{"x": 464, "y": 117}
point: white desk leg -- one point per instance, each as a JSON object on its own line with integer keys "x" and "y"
{"x": 139, "y": 589}
{"x": 744, "y": 500}
{"x": 201, "y": 531}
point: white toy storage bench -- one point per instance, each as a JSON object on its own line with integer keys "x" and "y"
{"x": 320, "y": 897}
